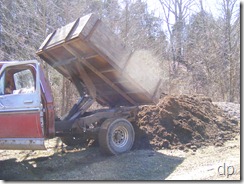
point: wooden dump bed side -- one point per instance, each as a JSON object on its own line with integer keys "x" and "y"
{"x": 89, "y": 51}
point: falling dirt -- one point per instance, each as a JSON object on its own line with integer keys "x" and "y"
{"x": 183, "y": 122}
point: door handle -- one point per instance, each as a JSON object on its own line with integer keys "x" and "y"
{"x": 1, "y": 105}
{"x": 28, "y": 101}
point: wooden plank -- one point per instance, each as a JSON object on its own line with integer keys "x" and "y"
{"x": 57, "y": 64}
{"x": 72, "y": 29}
{"x": 46, "y": 41}
{"x": 108, "y": 70}
{"x": 90, "y": 56}
{"x": 85, "y": 26}
{"x": 111, "y": 84}
{"x": 144, "y": 75}
{"x": 65, "y": 62}
{"x": 60, "y": 35}
{"x": 107, "y": 44}
{"x": 91, "y": 30}
{"x": 157, "y": 87}
{"x": 52, "y": 60}
{"x": 88, "y": 82}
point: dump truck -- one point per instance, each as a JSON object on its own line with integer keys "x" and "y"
{"x": 103, "y": 70}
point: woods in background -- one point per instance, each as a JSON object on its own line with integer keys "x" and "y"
{"x": 199, "y": 52}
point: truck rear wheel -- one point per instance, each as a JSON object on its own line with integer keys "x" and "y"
{"x": 116, "y": 136}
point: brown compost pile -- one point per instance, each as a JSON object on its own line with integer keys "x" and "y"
{"x": 182, "y": 122}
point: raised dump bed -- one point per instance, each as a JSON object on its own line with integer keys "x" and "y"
{"x": 89, "y": 51}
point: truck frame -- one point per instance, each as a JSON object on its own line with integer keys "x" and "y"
{"x": 97, "y": 62}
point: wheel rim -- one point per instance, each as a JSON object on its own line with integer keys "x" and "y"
{"x": 120, "y": 136}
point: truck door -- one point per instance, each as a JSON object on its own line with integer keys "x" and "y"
{"x": 21, "y": 119}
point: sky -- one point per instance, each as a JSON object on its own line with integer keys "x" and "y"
{"x": 210, "y": 6}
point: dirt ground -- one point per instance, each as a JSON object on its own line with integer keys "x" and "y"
{"x": 207, "y": 163}
{"x": 180, "y": 138}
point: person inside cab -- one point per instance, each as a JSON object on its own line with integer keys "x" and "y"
{"x": 9, "y": 88}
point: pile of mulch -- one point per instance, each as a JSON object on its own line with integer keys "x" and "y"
{"x": 182, "y": 122}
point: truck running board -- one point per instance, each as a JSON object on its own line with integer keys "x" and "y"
{"x": 22, "y": 143}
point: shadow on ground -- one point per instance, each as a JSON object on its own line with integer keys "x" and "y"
{"x": 91, "y": 165}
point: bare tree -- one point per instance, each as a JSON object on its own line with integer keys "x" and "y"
{"x": 229, "y": 43}
{"x": 179, "y": 11}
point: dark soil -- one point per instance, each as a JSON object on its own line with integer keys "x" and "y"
{"x": 183, "y": 122}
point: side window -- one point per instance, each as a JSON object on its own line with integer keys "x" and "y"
{"x": 24, "y": 82}
{"x": 15, "y": 80}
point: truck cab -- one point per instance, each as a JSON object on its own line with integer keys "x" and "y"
{"x": 26, "y": 106}
{"x": 27, "y": 114}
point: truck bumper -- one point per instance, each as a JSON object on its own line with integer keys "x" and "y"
{"x": 22, "y": 143}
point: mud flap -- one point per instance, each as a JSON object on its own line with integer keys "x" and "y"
{"x": 22, "y": 143}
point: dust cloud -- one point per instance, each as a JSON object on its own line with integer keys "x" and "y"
{"x": 144, "y": 68}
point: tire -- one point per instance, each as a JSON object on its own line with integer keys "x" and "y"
{"x": 116, "y": 136}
